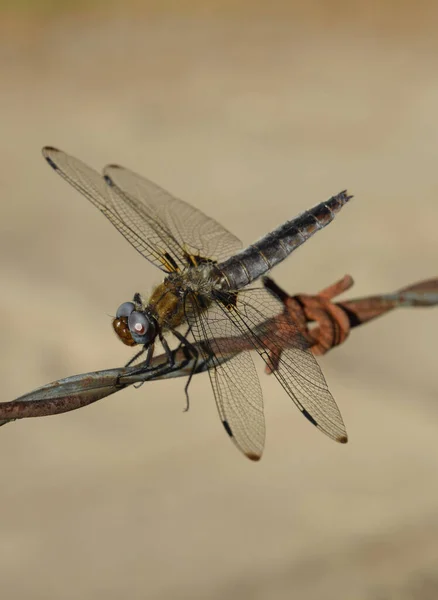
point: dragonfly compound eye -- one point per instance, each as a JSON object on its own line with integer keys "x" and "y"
{"x": 125, "y": 309}
{"x": 142, "y": 327}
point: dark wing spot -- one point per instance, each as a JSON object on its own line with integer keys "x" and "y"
{"x": 309, "y": 417}
{"x": 228, "y": 299}
{"x": 254, "y": 457}
{"x": 170, "y": 263}
{"x": 194, "y": 260}
{"x": 51, "y": 163}
{"x": 275, "y": 289}
{"x": 227, "y": 428}
{"x": 191, "y": 259}
{"x": 50, "y": 150}
{"x": 108, "y": 180}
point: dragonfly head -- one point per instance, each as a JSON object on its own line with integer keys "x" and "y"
{"x": 134, "y": 326}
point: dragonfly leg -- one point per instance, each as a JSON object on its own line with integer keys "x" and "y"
{"x": 167, "y": 350}
{"x": 134, "y": 358}
{"x": 183, "y": 341}
{"x": 159, "y": 370}
{"x": 150, "y": 352}
{"x": 195, "y": 354}
{"x": 147, "y": 362}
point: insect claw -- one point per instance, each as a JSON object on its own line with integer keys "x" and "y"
{"x": 187, "y": 406}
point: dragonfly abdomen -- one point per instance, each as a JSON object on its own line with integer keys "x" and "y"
{"x": 248, "y": 265}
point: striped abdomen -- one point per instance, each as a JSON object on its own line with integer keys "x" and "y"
{"x": 253, "y": 262}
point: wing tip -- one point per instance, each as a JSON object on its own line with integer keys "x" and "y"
{"x": 249, "y": 454}
{"x": 252, "y": 456}
{"x": 47, "y": 149}
{"x": 342, "y": 438}
{"x": 47, "y": 152}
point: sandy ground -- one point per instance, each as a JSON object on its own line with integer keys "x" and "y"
{"x": 253, "y": 120}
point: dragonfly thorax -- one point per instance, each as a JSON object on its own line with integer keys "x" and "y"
{"x": 203, "y": 279}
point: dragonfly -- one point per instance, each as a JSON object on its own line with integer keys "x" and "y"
{"x": 206, "y": 301}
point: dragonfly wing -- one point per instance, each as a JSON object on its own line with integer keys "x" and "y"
{"x": 235, "y": 382}
{"x": 140, "y": 224}
{"x": 195, "y": 233}
{"x": 286, "y": 353}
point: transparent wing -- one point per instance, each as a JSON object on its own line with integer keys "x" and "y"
{"x": 140, "y": 223}
{"x": 235, "y": 383}
{"x": 286, "y": 353}
{"x": 195, "y": 233}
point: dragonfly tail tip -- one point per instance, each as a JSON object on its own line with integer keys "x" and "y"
{"x": 346, "y": 196}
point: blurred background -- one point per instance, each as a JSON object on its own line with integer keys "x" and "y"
{"x": 253, "y": 112}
